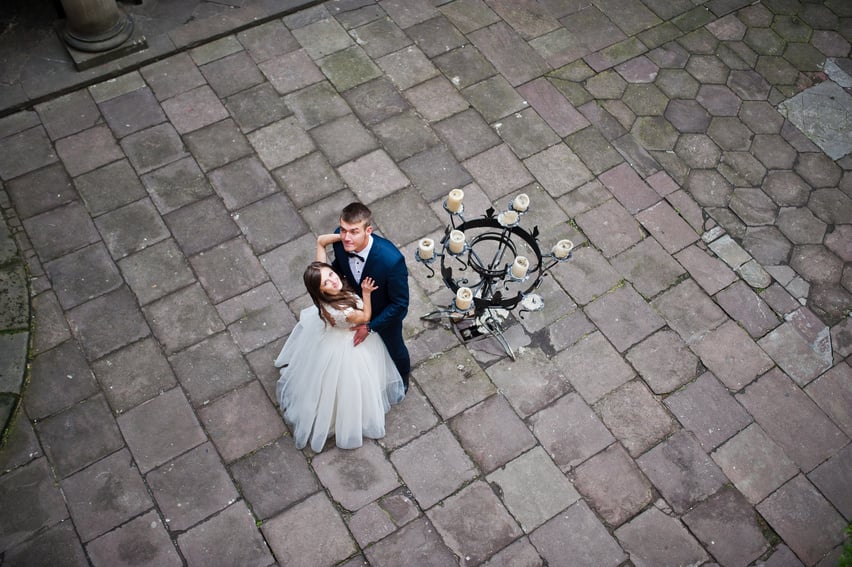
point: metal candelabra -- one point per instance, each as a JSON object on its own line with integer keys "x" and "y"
{"x": 483, "y": 263}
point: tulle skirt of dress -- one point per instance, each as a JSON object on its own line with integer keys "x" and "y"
{"x": 329, "y": 386}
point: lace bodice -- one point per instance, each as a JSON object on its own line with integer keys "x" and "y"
{"x": 339, "y": 315}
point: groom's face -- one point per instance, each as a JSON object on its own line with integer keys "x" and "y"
{"x": 354, "y": 236}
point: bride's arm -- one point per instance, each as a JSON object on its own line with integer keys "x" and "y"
{"x": 360, "y": 316}
{"x": 324, "y": 240}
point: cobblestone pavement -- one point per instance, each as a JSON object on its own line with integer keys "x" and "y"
{"x": 684, "y": 398}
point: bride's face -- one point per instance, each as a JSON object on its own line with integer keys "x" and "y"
{"x": 329, "y": 281}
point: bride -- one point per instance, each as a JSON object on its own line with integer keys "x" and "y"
{"x": 329, "y": 386}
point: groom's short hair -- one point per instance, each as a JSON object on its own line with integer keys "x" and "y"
{"x": 355, "y": 213}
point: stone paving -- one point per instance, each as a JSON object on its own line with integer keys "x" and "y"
{"x": 685, "y": 397}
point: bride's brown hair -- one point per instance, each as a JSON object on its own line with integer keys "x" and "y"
{"x": 341, "y": 300}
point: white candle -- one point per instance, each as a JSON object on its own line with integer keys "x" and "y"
{"x": 562, "y": 248}
{"x": 454, "y": 200}
{"x": 464, "y": 297}
{"x": 520, "y": 266}
{"x": 508, "y": 218}
{"x": 456, "y": 241}
{"x": 521, "y": 202}
{"x": 426, "y": 248}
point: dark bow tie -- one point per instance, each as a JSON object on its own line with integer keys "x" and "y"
{"x": 354, "y": 255}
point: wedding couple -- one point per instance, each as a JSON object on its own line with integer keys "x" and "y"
{"x": 345, "y": 362}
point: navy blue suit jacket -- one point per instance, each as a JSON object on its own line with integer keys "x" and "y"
{"x": 386, "y": 265}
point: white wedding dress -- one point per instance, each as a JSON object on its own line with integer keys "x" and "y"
{"x": 328, "y": 386}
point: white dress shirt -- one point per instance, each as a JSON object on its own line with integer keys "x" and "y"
{"x": 356, "y": 264}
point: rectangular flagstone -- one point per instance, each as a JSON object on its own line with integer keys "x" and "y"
{"x": 654, "y": 538}
{"x": 31, "y": 149}
{"x": 192, "y": 487}
{"x": 732, "y": 355}
{"x": 553, "y": 107}
{"x": 474, "y": 522}
{"x": 418, "y": 542}
{"x": 510, "y": 54}
{"x": 291, "y": 71}
{"x": 833, "y": 393}
{"x": 624, "y": 317}
{"x": 613, "y": 485}
{"x": 478, "y": 426}
{"x": 105, "y": 495}
{"x": 274, "y": 477}
{"x": 533, "y": 488}
{"x": 577, "y": 533}
{"x": 558, "y": 169}
{"x": 433, "y": 466}
{"x": 792, "y": 419}
{"x": 636, "y": 417}
{"x": 31, "y": 501}
{"x": 667, "y": 226}
{"x": 709, "y": 272}
{"x": 804, "y": 519}
{"x": 570, "y": 431}
{"x": 629, "y": 188}
{"x": 754, "y": 463}
{"x": 373, "y": 176}
{"x": 355, "y": 478}
{"x": 241, "y": 421}
{"x": 544, "y": 382}
{"x": 797, "y": 356}
{"x": 231, "y": 537}
{"x": 682, "y": 471}
{"x": 709, "y": 410}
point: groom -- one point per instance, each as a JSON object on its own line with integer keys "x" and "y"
{"x": 360, "y": 253}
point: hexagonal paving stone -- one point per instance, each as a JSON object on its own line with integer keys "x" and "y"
{"x": 804, "y": 57}
{"x": 761, "y": 117}
{"x": 730, "y": 133}
{"x": 764, "y": 41}
{"x": 677, "y": 83}
{"x": 753, "y": 206}
{"x": 606, "y": 85}
{"x": 831, "y": 205}
{"x": 818, "y": 170}
{"x": 801, "y": 226}
{"x": 773, "y": 151}
{"x": 748, "y": 85}
{"x": 719, "y": 100}
{"x": 698, "y": 151}
{"x": 707, "y": 69}
{"x": 708, "y": 187}
{"x": 816, "y": 264}
{"x": 786, "y": 188}
{"x": 687, "y": 116}
{"x": 776, "y": 70}
{"x": 645, "y": 99}
{"x": 742, "y": 169}
{"x": 654, "y": 133}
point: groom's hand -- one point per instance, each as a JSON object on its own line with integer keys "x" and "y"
{"x": 361, "y": 332}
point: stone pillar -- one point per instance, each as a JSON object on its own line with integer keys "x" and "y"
{"x": 95, "y": 25}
